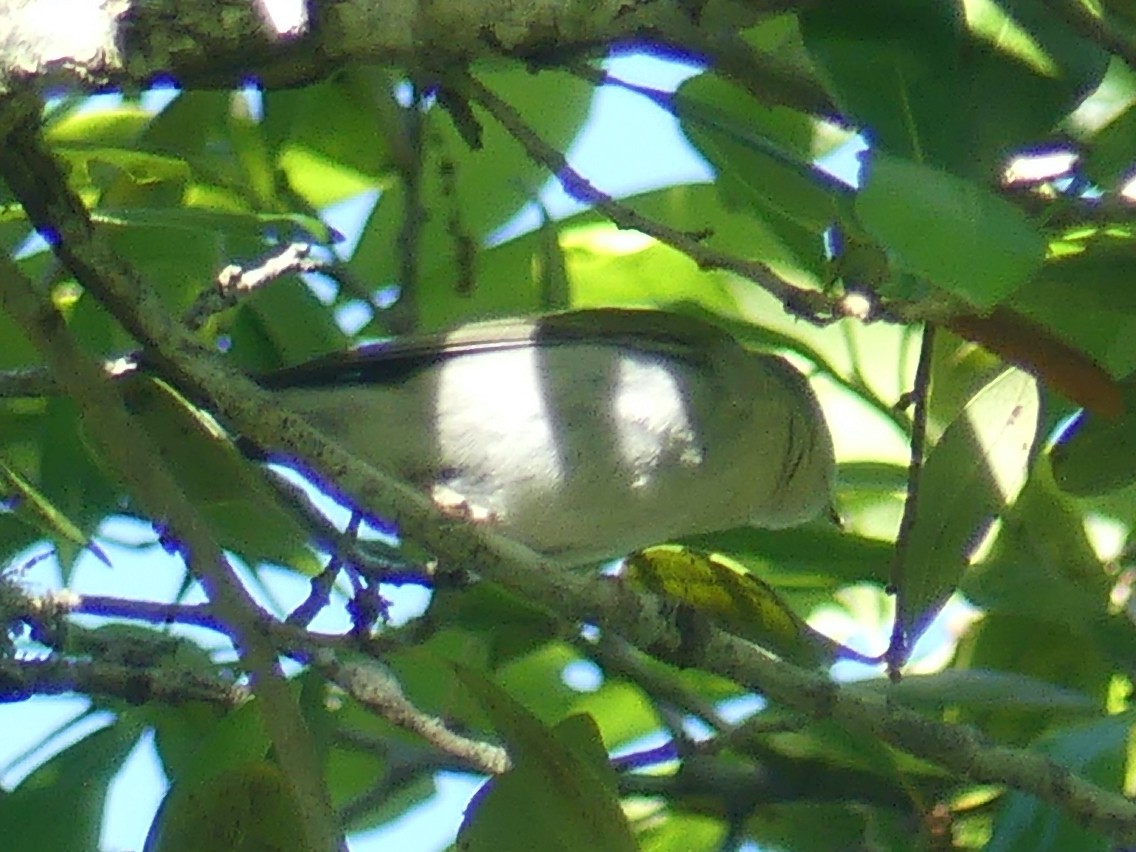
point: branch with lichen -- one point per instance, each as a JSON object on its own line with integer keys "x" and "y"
{"x": 37, "y": 180}
{"x": 812, "y": 305}
{"x": 639, "y": 618}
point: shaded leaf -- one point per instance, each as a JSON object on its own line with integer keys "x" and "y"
{"x": 245, "y": 808}
{"x": 241, "y": 508}
{"x": 951, "y": 84}
{"x": 60, "y": 805}
{"x": 196, "y": 741}
{"x": 893, "y": 68}
{"x": 31, "y": 505}
{"x": 1094, "y": 454}
{"x": 1084, "y": 295}
{"x": 763, "y": 159}
{"x": 976, "y": 469}
{"x": 195, "y": 220}
{"x": 559, "y": 795}
{"x": 981, "y": 687}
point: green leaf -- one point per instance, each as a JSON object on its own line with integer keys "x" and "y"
{"x": 892, "y": 67}
{"x": 196, "y": 741}
{"x": 802, "y": 556}
{"x": 212, "y": 132}
{"x": 69, "y": 477}
{"x": 240, "y": 507}
{"x": 468, "y": 194}
{"x": 968, "y": 478}
{"x": 102, "y": 165}
{"x": 606, "y": 266}
{"x": 1025, "y": 69}
{"x": 1096, "y": 455}
{"x": 1054, "y": 652}
{"x": 1043, "y": 566}
{"x": 31, "y": 505}
{"x": 282, "y": 325}
{"x": 60, "y": 805}
{"x": 334, "y": 139}
{"x": 1109, "y": 160}
{"x": 113, "y": 126}
{"x": 233, "y": 223}
{"x": 668, "y": 831}
{"x": 560, "y": 793}
{"x": 1085, "y": 296}
{"x": 957, "y": 234}
{"x": 245, "y": 808}
{"x": 953, "y": 85}
{"x": 763, "y": 158}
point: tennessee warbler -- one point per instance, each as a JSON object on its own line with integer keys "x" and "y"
{"x": 585, "y": 435}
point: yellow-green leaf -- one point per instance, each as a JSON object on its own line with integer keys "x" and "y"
{"x": 738, "y": 601}
{"x": 32, "y": 505}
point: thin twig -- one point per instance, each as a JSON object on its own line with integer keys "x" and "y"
{"x": 167, "y": 684}
{"x": 618, "y": 658}
{"x": 896, "y": 654}
{"x": 811, "y": 305}
{"x": 319, "y": 595}
{"x": 320, "y": 592}
{"x": 374, "y": 559}
{"x": 403, "y": 315}
{"x": 36, "y": 178}
{"x": 43, "y": 612}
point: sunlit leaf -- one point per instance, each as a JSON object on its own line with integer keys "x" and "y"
{"x": 738, "y": 601}
{"x": 30, "y": 504}
{"x": 957, "y": 234}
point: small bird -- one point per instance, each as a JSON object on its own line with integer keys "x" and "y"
{"x": 585, "y": 435}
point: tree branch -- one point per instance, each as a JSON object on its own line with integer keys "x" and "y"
{"x": 639, "y": 618}
{"x": 896, "y": 654}
{"x": 21, "y": 679}
{"x": 225, "y": 42}
{"x": 35, "y": 178}
{"x": 812, "y": 305}
{"x": 235, "y": 283}
{"x": 378, "y": 691}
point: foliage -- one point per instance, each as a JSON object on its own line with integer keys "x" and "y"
{"x": 1017, "y": 411}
